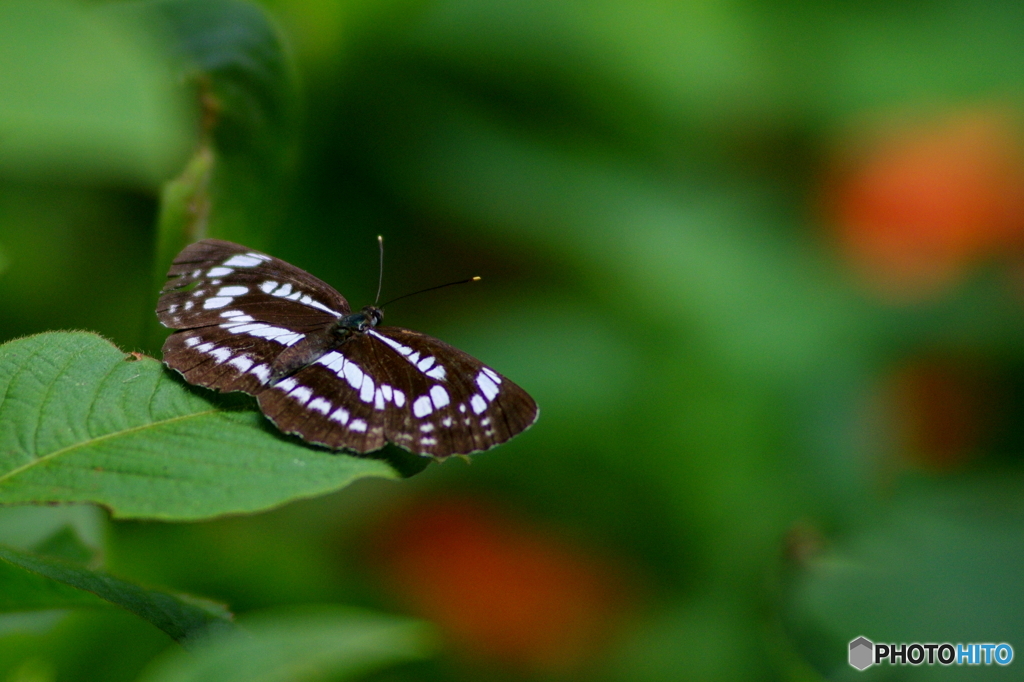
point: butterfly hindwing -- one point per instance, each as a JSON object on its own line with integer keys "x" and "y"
{"x": 454, "y": 403}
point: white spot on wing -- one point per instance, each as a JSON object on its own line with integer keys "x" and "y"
{"x": 426, "y": 428}
{"x": 204, "y": 348}
{"x": 233, "y": 291}
{"x": 446, "y": 422}
{"x": 268, "y": 286}
{"x": 378, "y": 400}
{"x": 487, "y": 387}
{"x": 358, "y": 425}
{"x": 328, "y": 359}
{"x": 241, "y": 319}
{"x": 188, "y": 305}
{"x": 439, "y": 396}
{"x": 340, "y": 415}
{"x": 320, "y": 405}
{"x": 286, "y": 385}
{"x": 387, "y": 392}
{"x": 265, "y": 331}
{"x": 242, "y": 363}
{"x": 302, "y": 394}
{"x": 289, "y": 338}
{"x": 221, "y": 354}
{"x": 219, "y": 272}
{"x": 437, "y": 373}
{"x": 425, "y": 364}
{"x": 191, "y": 341}
{"x": 399, "y": 398}
{"x": 261, "y": 372}
{"x": 491, "y": 374}
{"x": 246, "y": 261}
{"x": 321, "y": 306}
{"x": 284, "y": 289}
{"x": 366, "y": 390}
{"x": 477, "y": 403}
{"x": 422, "y": 406}
{"x": 246, "y": 327}
{"x": 399, "y": 348}
{"x": 428, "y": 441}
{"x": 217, "y": 302}
{"x": 353, "y": 374}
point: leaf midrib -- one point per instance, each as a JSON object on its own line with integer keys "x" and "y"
{"x": 97, "y": 439}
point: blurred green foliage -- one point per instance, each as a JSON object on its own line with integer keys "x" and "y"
{"x": 645, "y": 190}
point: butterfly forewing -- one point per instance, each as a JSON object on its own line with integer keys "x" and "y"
{"x": 250, "y": 322}
{"x": 212, "y": 278}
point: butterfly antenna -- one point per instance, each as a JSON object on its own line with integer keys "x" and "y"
{"x": 380, "y": 278}
{"x": 439, "y": 286}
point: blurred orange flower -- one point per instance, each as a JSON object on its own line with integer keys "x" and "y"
{"x": 500, "y": 591}
{"x": 918, "y": 207}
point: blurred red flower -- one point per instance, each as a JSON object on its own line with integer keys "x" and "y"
{"x": 917, "y": 207}
{"x": 500, "y": 591}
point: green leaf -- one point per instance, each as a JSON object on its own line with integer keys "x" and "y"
{"x": 235, "y": 60}
{"x": 80, "y": 421}
{"x": 31, "y": 526}
{"x": 21, "y": 590}
{"x": 235, "y": 51}
{"x": 65, "y": 544}
{"x": 328, "y": 643}
{"x": 184, "y": 618}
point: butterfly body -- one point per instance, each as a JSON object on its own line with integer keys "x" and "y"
{"x": 249, "y": 322}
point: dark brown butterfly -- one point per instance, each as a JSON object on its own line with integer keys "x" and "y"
{"x": 250, "y": 322}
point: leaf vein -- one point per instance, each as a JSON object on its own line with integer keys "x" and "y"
{"x": 108, "y": 436}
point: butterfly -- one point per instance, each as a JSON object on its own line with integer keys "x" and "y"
{"x": 249, "y": 322}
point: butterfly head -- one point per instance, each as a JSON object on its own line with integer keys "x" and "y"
{"x": 367, "y": 318}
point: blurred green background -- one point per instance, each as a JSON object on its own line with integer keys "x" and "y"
{"x": 758, "y": 263}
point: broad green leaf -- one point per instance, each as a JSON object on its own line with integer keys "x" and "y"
{"x": 65, "y": 544}
{"x": 328, "y": 643}
{"x": 21, "y": 590}
{"x": 238, "y": 56}
{"x": 30, "y": 526}
{"x": 236, "y": 61}
{"x": 80, "y": 421}
{"x": 184, "y": 618}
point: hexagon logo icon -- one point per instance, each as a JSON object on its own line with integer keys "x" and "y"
{"x": 861, "y": 650}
